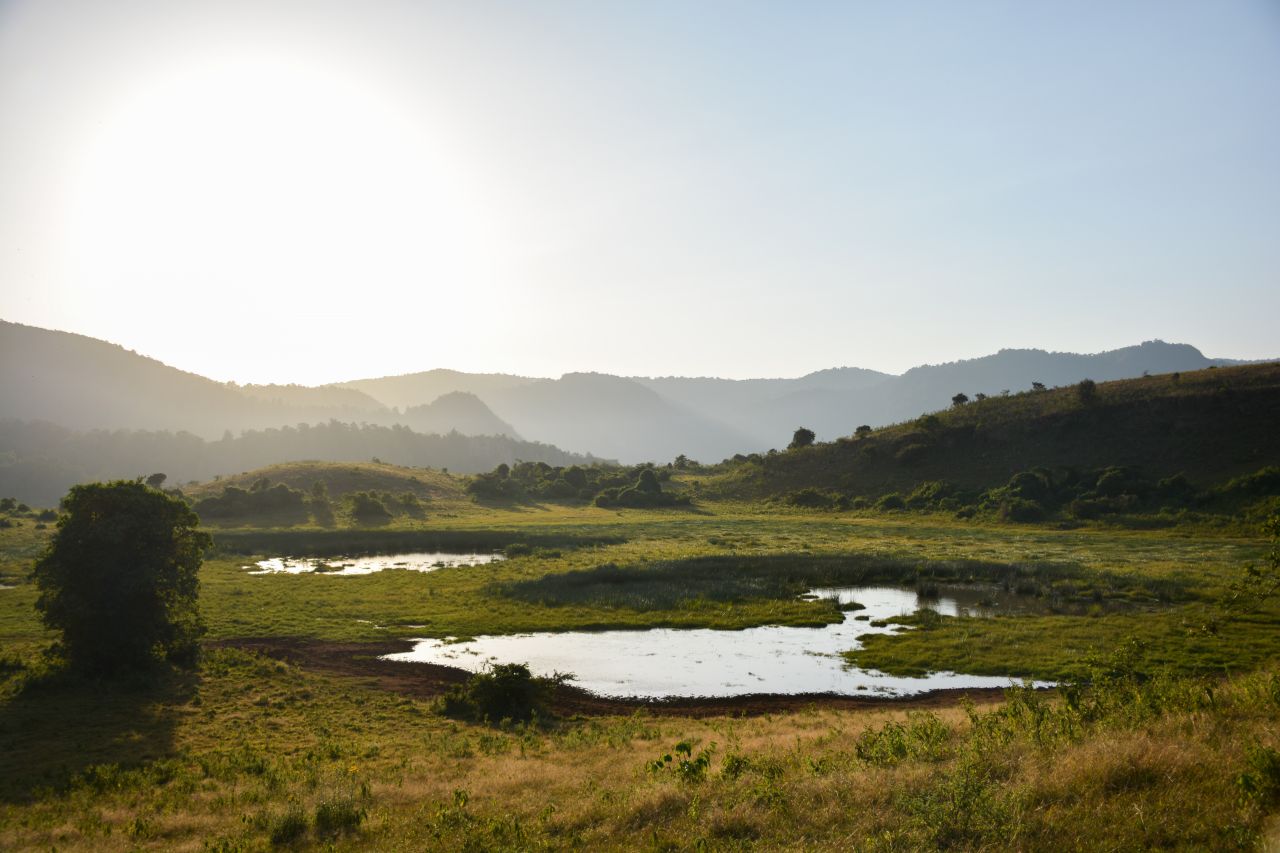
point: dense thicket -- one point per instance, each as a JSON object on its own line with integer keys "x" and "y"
{"x": 40, "y": 461}
{"x": 606, "y": 485}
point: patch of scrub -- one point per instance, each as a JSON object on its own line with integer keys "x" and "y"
{"x": 346, "y": 566}
{"x": 665, "y": 663}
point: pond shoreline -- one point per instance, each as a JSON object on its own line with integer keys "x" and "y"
{"x": 426, "y": 680}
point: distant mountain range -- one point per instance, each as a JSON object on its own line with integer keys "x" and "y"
{"x": 637, "y": 419}
{"x": 82, "y": 383}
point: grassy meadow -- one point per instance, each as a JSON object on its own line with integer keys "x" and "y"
{"x": 254, "y": 753}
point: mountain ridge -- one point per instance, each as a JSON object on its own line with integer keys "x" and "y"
{"x": 82, "y": 383}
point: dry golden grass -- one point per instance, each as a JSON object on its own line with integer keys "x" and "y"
{"x": 259, "y": 738}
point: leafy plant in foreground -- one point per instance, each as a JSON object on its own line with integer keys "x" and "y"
{"x": 685, "y": 765}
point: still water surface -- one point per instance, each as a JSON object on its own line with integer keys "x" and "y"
{"x": 663, "y": 662}
{"x": 419, "y": 562}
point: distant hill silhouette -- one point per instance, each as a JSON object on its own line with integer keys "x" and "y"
{"x": 83, "y": 383}
{"x": 416, "y": 389}
{"x": 456, "y": 410}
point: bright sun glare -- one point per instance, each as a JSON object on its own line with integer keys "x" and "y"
{"x": 277, "y": 181}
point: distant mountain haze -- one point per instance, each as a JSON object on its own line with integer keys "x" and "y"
{"x": 82, "y": 383}
{"x": 619, "y": 417}
{"x": 456, "y": 411}
{"x": 324, "y": 397}
{"x": 39, "y": 461}
{"x": 416, "y": 389}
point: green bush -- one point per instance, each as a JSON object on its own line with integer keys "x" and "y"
{"x": 891, "y": 501}
{"x": 1021, "y": 510}
{"x": 367, "y": 509}
{"x": 810, "y": 498}
{"x": 505, "y": 691}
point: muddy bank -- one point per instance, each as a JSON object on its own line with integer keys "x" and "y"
{"x": 425, "y": 680}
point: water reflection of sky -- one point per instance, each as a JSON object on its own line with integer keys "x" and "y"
{"x": 664, "y": 662}
{"x": 418, "y": 562}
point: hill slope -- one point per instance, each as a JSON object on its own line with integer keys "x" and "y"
{"x": 84, "y": 383}
{"x": 1210, "y": 425}
{"x": 343, "y": 478}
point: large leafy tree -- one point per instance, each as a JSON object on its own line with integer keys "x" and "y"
{"x": 119, "y": 578}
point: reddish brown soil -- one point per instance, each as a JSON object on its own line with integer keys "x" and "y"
{"x": 426, "y": 680}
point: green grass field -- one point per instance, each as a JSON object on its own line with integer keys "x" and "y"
{"x": 250, "y": 753}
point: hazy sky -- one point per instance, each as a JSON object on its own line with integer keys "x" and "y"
{"x": 315, "y": 191}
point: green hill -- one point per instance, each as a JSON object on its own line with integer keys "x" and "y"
{"x": 1209, "y": 425}
{"x": 343, "y": 478}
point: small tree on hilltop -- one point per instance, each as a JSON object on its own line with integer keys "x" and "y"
{"x": 802, "y": 438}
{"x": 1087, "y": 391}
{"x": 959, "y": 399}
{"x": 648, "y": 482}
{"x": 1037, "y": 386}
{"x": 155, "y": 481}
{"x": 119, "y": 578}
{"x": 862, "y": 431}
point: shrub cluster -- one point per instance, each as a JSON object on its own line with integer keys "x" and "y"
{"x": 646, "y": 491}
{"x": 505, "y": 691}
{"x": 1040, "y": 494}
{"x": 606, "y": 485}
{"x": 262, "y": 499}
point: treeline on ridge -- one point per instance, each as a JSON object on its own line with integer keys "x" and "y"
{"x": 39, "y": 461}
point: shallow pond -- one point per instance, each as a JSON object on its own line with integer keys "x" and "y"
{"x": 420, "y": 562}
{"x": 663, "y": 663}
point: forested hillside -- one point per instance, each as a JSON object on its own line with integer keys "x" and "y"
{"x": 1208, "y": 425}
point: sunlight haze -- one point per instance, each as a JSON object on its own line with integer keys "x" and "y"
{"x": 313, "y": 192}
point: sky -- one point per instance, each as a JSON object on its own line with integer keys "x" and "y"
{"x": 317, "y": 191}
